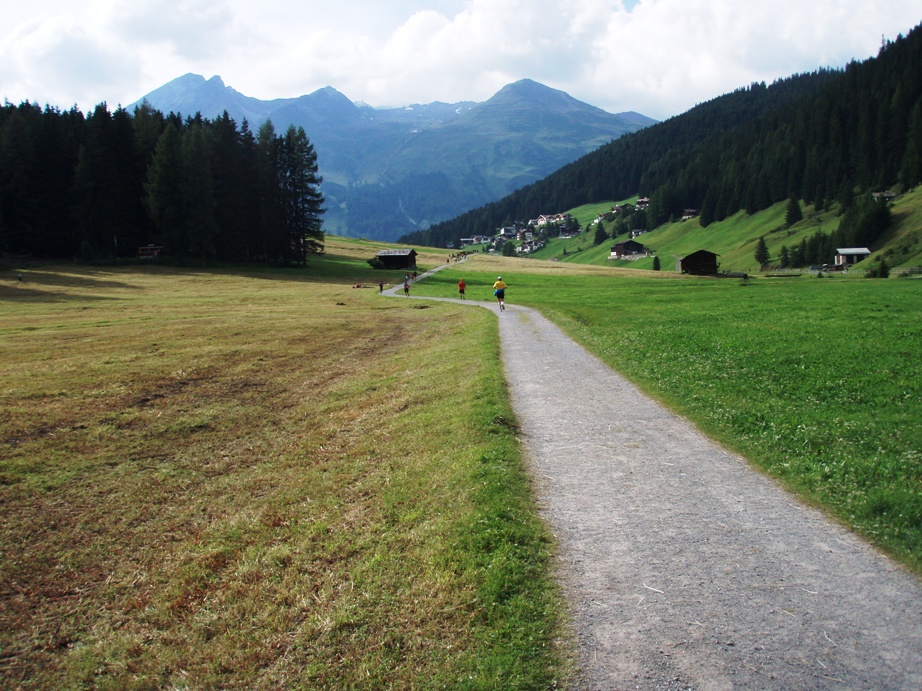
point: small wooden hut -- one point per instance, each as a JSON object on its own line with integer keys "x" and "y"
{"x": 700, "y": 263}
{"x": 397, "y": 259}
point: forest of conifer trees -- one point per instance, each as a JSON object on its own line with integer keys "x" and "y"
{"x": 99, "y": 187}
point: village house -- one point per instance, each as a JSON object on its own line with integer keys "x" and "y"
{"x": 628, "y": 249}
{"x": 689, "y": 214}
{"x": 529, "y": 247}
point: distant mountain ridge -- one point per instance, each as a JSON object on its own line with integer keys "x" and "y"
{"x": 391, "y": 171}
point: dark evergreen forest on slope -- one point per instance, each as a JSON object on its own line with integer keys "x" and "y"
{"x": 822, "y": 137}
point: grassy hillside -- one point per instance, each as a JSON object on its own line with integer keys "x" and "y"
{"x": 735, "y": 238}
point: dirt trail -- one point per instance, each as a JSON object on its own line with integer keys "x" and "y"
{"x": 685, "y": 568}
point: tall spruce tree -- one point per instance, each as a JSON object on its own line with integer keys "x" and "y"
{"x": 165, "y": 196}
{"x": 198, "y": 194}
{"x": 270, "y": 215}
{"x": 300, "y": 196}
{"x": 600, "y": 234}
{"x": 761, "y": 253}
{"x": 793, "y": 213}
{"x": 95, "y": 183}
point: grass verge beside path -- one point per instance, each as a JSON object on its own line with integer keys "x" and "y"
{"x": 817, "y": 381}
{"x": 260, "y": 481}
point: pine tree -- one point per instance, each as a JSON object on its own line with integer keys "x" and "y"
{"x": 600, "y": 234}
{"x": 301, "y": 199}
{"x": 270, "y": 214}
{"x": 95, "y": 183}
{"x": 793, "y": 213}
{"x": 230, "y": 193}
{"x": 164, "y": 189}
{"x": 761, "y": 253}
{"x": 198, "y": 194}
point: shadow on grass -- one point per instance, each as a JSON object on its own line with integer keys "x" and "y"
{"x": 42, "y": 285}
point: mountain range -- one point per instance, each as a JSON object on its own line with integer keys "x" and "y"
{"x": 391, "y": 171}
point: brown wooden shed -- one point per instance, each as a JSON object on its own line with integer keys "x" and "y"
{"x": 397, "y": 259}
{"x": 700, "y": 263}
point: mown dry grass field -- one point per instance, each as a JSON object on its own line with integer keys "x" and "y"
{"x": 262, "y": 480}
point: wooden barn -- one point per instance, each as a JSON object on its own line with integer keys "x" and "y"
{"x": 397, "y": 259}
{"x": 846, "y": 256}
{"x": 700, "y": 263}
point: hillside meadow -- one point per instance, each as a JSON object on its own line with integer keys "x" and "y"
{"x": 262, "y": 479}
{"x": 817, "y": 381}
{"x": 735, "y": 238}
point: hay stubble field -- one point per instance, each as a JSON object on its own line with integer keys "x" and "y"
{"x": 261, "y": 480}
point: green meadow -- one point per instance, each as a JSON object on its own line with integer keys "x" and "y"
{"x": 817, "y": 381}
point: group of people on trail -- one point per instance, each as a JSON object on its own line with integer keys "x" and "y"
{"x": 407, "y": 278}
{"x": 499, "y": 290}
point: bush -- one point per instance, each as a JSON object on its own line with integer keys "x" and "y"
{"x": 879, "y": 270}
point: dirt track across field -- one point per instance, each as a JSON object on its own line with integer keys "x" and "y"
{"x": 685, "y": 568}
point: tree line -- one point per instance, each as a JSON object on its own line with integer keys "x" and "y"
{"x": 102, "y": 185}
{"x": 825, "y": 138}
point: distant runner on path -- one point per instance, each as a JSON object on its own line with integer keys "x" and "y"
{"x": 461, "y": 286}
{"x": 499, "y": 290}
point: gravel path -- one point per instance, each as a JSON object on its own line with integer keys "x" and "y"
{"x": 684, "y": 567}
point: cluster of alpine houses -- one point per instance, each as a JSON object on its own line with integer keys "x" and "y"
{"x": 531, "y": 236}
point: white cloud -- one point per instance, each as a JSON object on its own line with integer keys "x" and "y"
{"x": 193, "y": 29}
{"x": 56, "y": 60}
{"x": 658, "y": 57}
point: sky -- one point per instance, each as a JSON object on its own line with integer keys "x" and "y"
{"x": 655, "y": 57}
